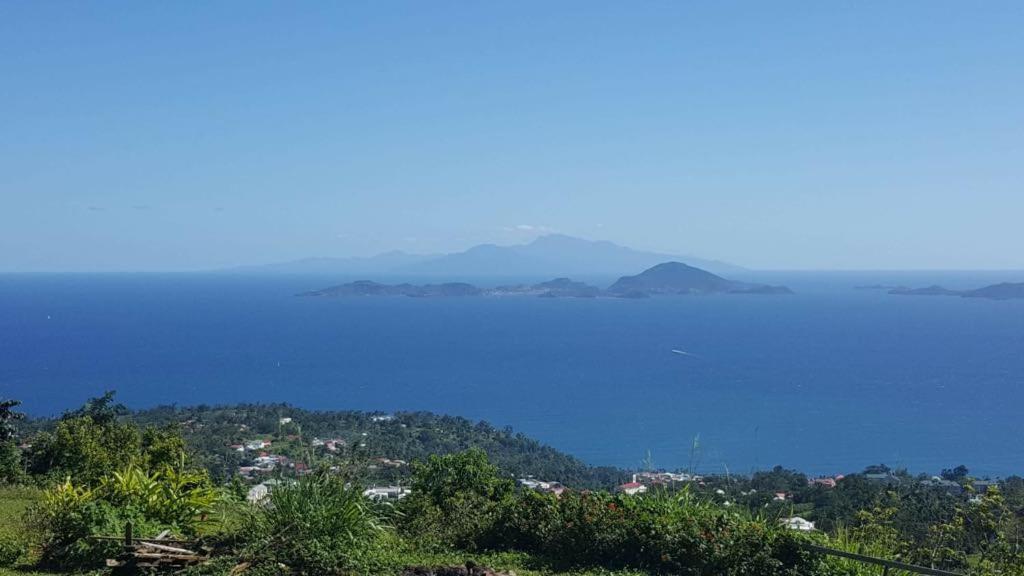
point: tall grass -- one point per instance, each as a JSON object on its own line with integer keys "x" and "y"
{"x": 318, "y": 525}
{"x": 848, "y": 541}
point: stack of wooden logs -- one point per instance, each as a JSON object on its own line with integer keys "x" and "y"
{"x": 160, "y": 554}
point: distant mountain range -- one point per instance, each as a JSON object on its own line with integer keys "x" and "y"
{"x": 546, "y": 256}
{"x": 667, "y": 278}
{"x": 1003, "y": 291}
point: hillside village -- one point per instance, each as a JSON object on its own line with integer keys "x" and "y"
{"x": 261, "y": 443}
{"x": 463, "y": 483}
{"x": 267, "y": 461}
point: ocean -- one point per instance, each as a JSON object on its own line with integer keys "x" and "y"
{"x": 828, "y": 380}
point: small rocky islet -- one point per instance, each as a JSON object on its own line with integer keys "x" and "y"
{"x": 1002, "y": 291}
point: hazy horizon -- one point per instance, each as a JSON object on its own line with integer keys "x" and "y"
{"x": 256, "y": 266}
{"x": 158, "y": 137}
{"x": 682, "y": 257}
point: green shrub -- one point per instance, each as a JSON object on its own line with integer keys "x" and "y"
{"x": 69, "y": 515}
{"x": 90, "y": 442}
{"x": 658, "y": 532}
{"x": 590, "y": 529}
{"x": 169, "y": 496}
{"x": 10, "y": 463}
{"x": 459, "y": 502}
{"x": 11, "y": 550}
{"x": 456, "y": 501}
{"x": 529, "y": 521}
{"x": 84, "y": 449}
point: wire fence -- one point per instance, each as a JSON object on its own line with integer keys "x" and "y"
{"x": 886, "y": 565}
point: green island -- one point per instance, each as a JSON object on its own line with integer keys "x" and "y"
{"x": 274, "y": 489}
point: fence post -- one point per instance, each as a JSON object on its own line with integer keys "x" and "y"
{"x": 128, "y": 534}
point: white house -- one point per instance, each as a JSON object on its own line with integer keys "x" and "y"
{"x": 797, "y": 523}
{"x": 257, "y": 444}
{"x": 631, "y": 488}
{"x": 386, "y": 493}
{"x": 257, "y": 493}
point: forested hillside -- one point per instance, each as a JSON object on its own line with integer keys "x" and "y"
{"x": 211, "y": 431}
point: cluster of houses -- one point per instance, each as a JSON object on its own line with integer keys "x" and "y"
{"x": 259, "y": 493}
{"x": 825, "y": 481}
{"x": 665, "y": 478}
{"x": 261, "y": 461}
{"x": 640, "y": 483}
{"x": 332, "y": 445}
{"x": 265, "y": 464}
{"x": 252, "y": 445}
{"x": 643, "y": 481}
{"x": 530, "y": 483}
{"x": 953, "y": 488}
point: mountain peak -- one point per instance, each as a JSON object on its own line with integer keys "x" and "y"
{"x": 557, "y": 239}
{"x": 678, "y": 278}
{"x": 672, "y": 278}
{"x": 673, "y": 268}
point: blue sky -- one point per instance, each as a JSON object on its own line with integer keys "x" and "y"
{"x": 831, "y": 135}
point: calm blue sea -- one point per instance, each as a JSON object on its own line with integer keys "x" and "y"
{"x": 828, "y": 380}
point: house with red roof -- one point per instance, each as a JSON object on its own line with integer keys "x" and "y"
{"x": 631, "y": 488}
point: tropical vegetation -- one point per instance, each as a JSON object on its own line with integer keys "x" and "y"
{"x": 71, "y": 484}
